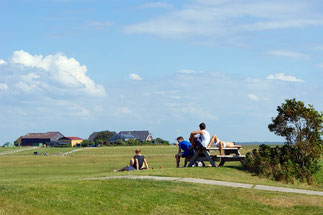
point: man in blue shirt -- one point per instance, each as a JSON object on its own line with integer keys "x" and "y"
{"x": 185, "y": 146}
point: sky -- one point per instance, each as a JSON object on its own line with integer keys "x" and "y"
{"x": 79, "y": 66}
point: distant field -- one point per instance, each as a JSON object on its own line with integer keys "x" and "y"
{"x": 54, "y": 184}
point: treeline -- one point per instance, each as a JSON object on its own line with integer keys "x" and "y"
{"x": 130, "y": 142}
{"x": 103, "y": 139}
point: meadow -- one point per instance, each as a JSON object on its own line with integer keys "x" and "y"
{"x": 57, "y": 184}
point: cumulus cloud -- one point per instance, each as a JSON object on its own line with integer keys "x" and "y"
{"x": 58, "y": 69}
{"x": 283, "y": 77}
{"x": 3, "y": 86}
{"x": 156, "y": 5}
{"x": 291, "y": 54}
{"x": 2, "y": 62}
{"x": 135, "y": 77}
{"x": 222, "y": 18}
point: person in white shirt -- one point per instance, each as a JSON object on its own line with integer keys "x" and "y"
{"x": 200, "y": 137}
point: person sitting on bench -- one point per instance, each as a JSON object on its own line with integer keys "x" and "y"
{"x": 200, "y": 138}
{"x": 221, "y": 144}
{"x": 185, "y": 146}
{"x": 137, "y": 163}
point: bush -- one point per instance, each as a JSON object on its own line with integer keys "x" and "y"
{"x": 86, "y": 143}
{"x": 298, "y": 158}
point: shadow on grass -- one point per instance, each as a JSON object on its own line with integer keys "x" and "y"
{"x": 234, "y": 167}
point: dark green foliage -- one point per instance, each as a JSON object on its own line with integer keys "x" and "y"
{"x": 136, "y": 142}
{"x": 86, "y": 143}
{"x": 103, "y": 136}
{"x": 301, "y": 126}
{"x": 161, "y": 141}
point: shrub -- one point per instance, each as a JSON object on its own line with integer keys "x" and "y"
{"x": 298, "y": 158}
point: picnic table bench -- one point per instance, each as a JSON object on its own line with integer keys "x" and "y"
{"x": 203, "y": 154}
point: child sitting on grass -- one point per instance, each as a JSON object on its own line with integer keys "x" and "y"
{"x": 138, "y": 162}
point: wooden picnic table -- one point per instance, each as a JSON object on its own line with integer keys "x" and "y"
{"x": 203, "y": 154}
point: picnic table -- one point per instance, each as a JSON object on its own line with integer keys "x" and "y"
{"x": 203, "y": 154}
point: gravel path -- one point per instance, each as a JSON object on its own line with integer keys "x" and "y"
{"x": 219, "y": 183}
{"x": 17, "y": 150}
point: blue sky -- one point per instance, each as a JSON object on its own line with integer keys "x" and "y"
{"x": 78, "y": 66}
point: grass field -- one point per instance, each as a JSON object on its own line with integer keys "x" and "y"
{"x": 56, "y": 184}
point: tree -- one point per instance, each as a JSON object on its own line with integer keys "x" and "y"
{"x": 18, "y": 142}
{"x": 160, "y": 141}
{"x": 86, "y": 143}
{"x": 103, "y": 136}
{"x": 301, "y": 126}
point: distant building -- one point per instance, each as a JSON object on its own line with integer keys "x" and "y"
{"x": 37, "y": 139}
{"x": 126, "y": 135}
{"x": 71, "y": 140}
{"x": 95, "y": 134}
{"x": 123, "y": 137}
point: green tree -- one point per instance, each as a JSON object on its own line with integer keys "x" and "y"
{"x": 160, "y": 141}
{"x": 301, "y": 126}
{"x": 18, "y": 142}
{"x": 103, "y": 136}
{"x": 86, "y": 143}
{"x": 133, "y": 142}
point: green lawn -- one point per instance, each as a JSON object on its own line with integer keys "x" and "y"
{"x": 54, "y": 184}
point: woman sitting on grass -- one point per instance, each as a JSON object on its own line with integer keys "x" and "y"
{"x": 221, "y": 144}
{"x": 137, "y": 163}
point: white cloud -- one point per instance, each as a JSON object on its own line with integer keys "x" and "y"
{"x": 135, "y": 77}
{"x": 2, "y": 62}
{"x": 3, "y": 86}
{"x": 222, "y": 18}
{"x": 291, "y": 54}
{"x": 253, "y": 97}
{"x": 58, "y": 69}
{"x": 283, "y": 77}
{"x": 156, "y": 5}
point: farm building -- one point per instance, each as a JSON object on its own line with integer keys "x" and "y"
{"x": 37, "y": 139}
{"x": 71, "y": 140}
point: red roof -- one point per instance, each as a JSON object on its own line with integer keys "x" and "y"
{"x": 74, "y": 138}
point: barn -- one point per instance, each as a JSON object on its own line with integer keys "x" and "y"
{"x": 37, "y": 139}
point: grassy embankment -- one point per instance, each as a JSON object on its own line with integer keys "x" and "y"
{"x": 52, "y": 185}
